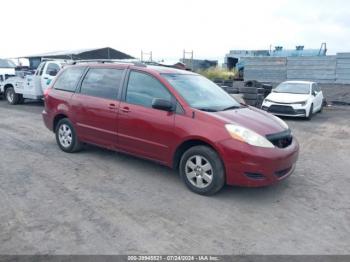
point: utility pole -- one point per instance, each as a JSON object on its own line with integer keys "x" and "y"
{"x": 190, "y": 59}
{"x": 149, "y": 54}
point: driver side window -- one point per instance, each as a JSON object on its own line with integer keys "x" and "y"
{"x": 143, "y": 88}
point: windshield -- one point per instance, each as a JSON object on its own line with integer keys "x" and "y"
{"x": 201, "y": 93}
{"x": 293, "y": 88}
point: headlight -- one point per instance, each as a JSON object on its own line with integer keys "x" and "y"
{"x": 248, "y": 136}
{"x": 302, "y": 103}
{"x": 279, "y": 120}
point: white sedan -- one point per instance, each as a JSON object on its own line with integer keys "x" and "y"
{"x": 295, "y": 98}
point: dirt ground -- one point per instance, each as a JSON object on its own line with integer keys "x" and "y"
{"x": 102, "y": 202}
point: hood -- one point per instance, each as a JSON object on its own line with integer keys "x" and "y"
{"x": 287, "y": 97}
{"x": 254, "y": 119}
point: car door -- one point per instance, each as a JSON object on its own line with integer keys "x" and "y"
{"x": 95, "y": 106}
{"x": 50, "y": 71}
{"x": 317, "y": 97}
{"x": 37, "y": 79}
{"x": 143, "y": 130}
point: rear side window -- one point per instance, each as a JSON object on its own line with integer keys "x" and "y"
{"x": 102, "y": 82}
{"x": 69, "y": 79}
{"x": 143, "y": 88}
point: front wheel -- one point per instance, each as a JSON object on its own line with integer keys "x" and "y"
{"x": 66, "y": 137}
{"x": 11, "y": 96}
{"x": 202, "y": 170}
{"x": 310, "y": 112}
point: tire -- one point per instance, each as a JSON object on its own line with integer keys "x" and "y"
{"x": 250, "y": 96}
{"x": 11, "y": 96}
{"x": 259, "y": 100}
{"x": 267, "y": 88}
{"x": 225, "y": 88}
{"x": 228, "y": 83}
{"x": 66, "y": 137}
{"x": 192, "y": 167}
{"x": 260, "y": 97}
{"x": 251, "y": 102}
{"x": 20, "y": 99}
{"x": 248, "y": 90}
{"x": 310, "y": 112}
{"x": 261, "y": 90}
{"x": 232, "y": 90}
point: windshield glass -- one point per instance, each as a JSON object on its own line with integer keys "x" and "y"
{"x": 201, "y": 93}
{"x": 293, "y": 88}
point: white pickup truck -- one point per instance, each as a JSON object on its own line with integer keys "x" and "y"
{"x": 17, "y": 88}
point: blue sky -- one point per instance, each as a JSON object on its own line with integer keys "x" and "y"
{"x": 209, "y": 28}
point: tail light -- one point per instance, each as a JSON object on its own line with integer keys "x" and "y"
{"x": 46, "y": 92}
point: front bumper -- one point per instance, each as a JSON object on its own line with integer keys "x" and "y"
{"x": 296, "y": 110}
{"x": 251, "y": 166}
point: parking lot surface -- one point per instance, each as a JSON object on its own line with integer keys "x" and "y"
{"x": 101, "y": 202}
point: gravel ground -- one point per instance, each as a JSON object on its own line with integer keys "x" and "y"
{"x": 102, "y": 202}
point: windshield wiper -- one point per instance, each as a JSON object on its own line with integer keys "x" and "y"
{"x": 230, "y": 107}
{"x": 207, "y": 109}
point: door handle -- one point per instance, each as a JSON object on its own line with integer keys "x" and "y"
{"x": 46, "y": 78}
{"x": 111, "y": 106}
{"x": 125, "y": 109}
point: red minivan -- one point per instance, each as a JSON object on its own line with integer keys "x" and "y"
{"x": 174, "y": 117}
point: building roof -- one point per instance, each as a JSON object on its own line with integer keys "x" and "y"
{"x": 5, "y": 63}
{"x": 91, "y": 53}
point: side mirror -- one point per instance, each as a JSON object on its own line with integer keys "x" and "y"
{"x": 162, "y": 104}
{"x": 314, "y": 93}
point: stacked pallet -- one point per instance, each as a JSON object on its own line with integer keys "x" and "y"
{"x": 343, "y": 68}
{"x": 265, "y": 69}
{"x": 314, "y": 68}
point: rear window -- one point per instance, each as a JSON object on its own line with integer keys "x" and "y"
{"x": 102, "y": 82}
{"x": 69, "y": 79}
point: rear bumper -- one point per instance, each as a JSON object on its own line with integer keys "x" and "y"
{"x": 255, "y": 167}
{"x": 46, "y": 119}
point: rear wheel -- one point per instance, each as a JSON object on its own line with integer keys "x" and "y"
{"x": 202, "y": 170}
{"x": 11, "y": 96}
{"x": 321, "y": 109}
{"x": 66, "y": 136}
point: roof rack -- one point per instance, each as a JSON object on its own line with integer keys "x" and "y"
{"x": 103, "y": 61}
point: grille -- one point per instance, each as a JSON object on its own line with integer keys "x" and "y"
{"x": 281, "y": 109}
{"x": 282, "y": 139}
{"x": 282, "y": 172}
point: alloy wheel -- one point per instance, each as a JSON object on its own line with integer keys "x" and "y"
{"x": 199, "y": 171}
{"x": 65, "y": 135}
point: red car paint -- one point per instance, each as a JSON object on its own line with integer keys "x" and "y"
{"x": 156, "y": 135}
